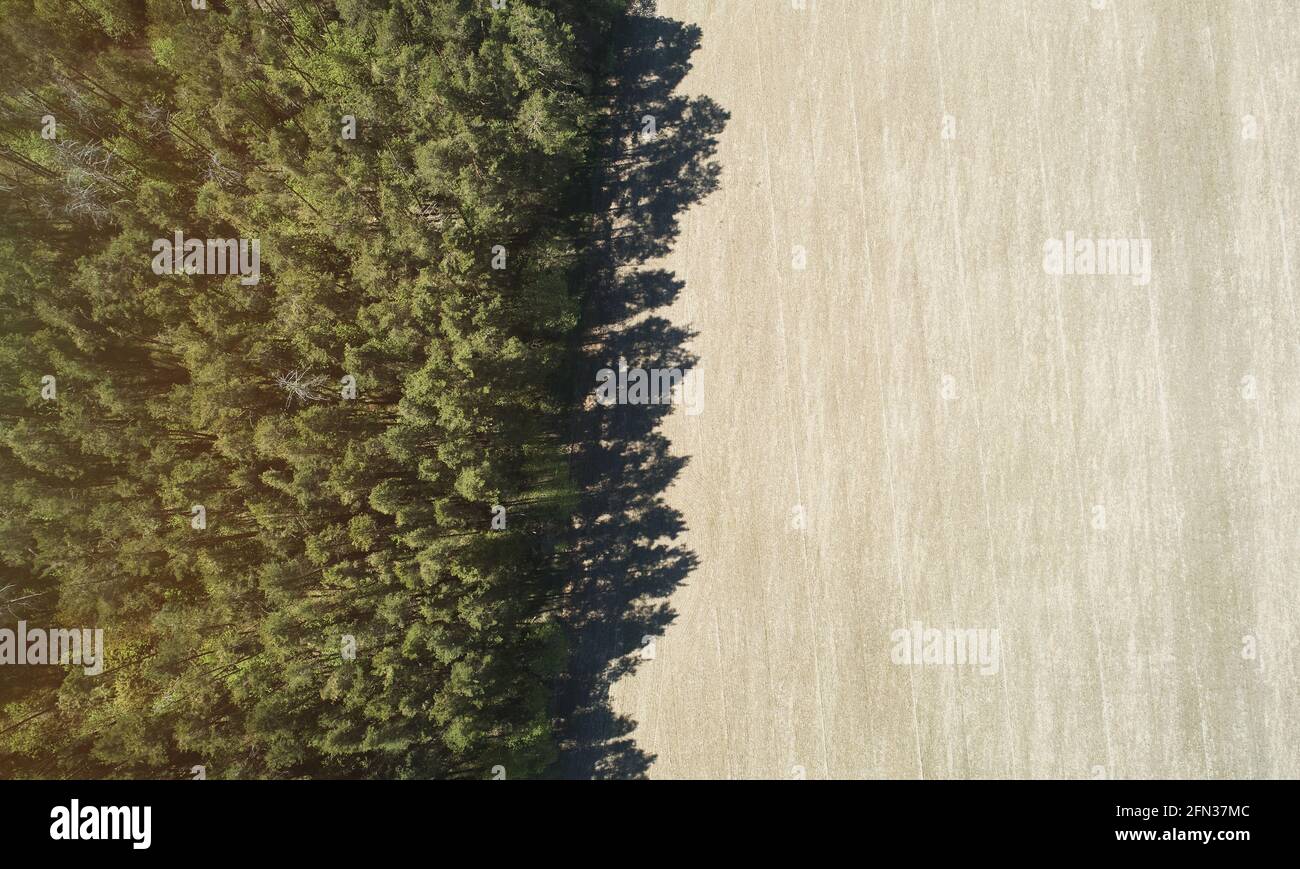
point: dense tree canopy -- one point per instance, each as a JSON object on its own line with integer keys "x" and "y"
{"x": 347, "y": 424}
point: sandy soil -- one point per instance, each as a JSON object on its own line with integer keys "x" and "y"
{"x": 947, "y": 417}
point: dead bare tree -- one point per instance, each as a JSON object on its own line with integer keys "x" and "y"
{"x": 302, "y": 386}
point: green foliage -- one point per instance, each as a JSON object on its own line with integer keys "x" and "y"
{"x": 330, "y": 522}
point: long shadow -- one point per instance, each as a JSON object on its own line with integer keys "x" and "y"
{"x": 626, "y": 554}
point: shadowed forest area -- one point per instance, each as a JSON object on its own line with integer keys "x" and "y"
{"x": 626, "y": 558}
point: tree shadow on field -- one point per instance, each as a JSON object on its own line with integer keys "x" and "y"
{"x": 626, "y": 559}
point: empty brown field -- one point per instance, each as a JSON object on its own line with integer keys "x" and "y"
{"x": 907, "y": 419}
